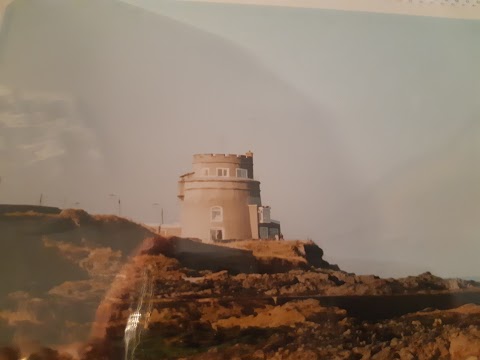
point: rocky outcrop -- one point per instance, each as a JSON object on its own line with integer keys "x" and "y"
{"x": 200, "y": 314}
{"x": 281, "y": 256}
{"x": 244, "y": 300}
{"x": 61, "y": 265}
{"x": 252, "y": 328}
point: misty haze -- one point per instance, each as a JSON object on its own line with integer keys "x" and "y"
{"x": 365, "y": 130}
{"x": 365, "y": 126}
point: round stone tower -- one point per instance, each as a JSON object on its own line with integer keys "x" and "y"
{"x": 220, "y": 198}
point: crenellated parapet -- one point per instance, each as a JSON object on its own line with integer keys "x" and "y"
{"x": 210, "y": 165}
{"x": 222, "y": 158}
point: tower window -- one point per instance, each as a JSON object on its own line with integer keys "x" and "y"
{"x": 222, "y": 172}
{"x": 216, "y": 234}
{"x": 205, "y": 172}
{"x": 242, "y": 173}
{"x": 216, "y": 213}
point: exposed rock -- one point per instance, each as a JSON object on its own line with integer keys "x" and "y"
{"x": 235, "y": 316}
{"x": 289, "y": 314}
{"x": 244, "y": 300}
{"x": 463, "y": 345}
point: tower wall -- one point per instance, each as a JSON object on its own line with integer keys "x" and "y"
{"x": 233, "y": 194}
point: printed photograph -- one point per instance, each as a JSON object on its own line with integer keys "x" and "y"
{"x": 239, "y": 179}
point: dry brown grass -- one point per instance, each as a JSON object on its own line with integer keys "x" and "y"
{"x": 284, "y": 249}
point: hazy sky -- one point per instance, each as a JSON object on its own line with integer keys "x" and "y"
{"x": 365, "y": 127}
